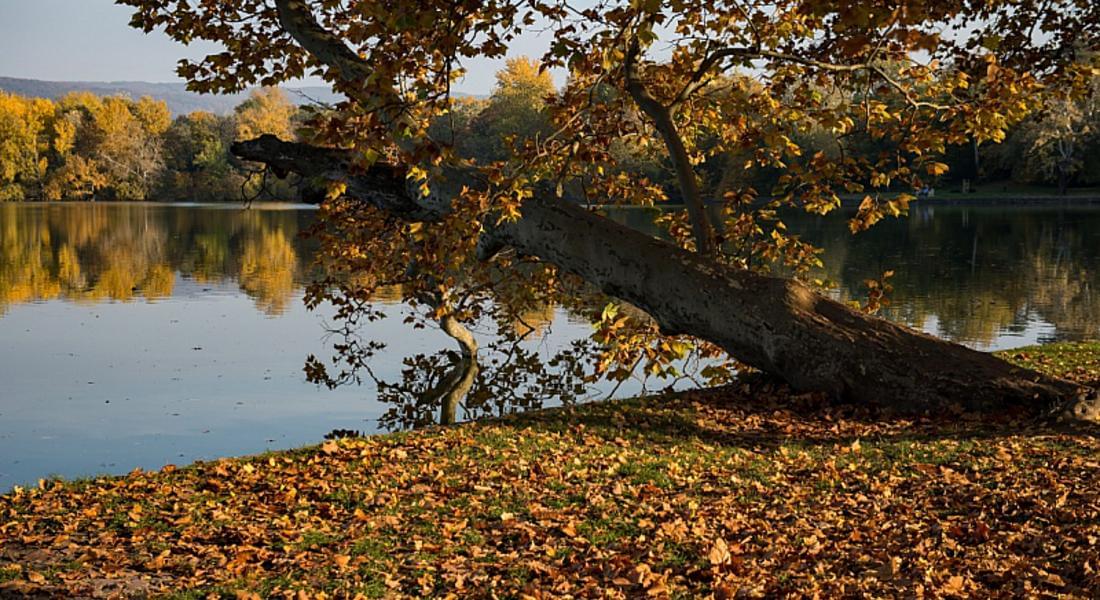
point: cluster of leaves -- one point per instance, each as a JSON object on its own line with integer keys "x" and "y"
{"x": 88, "y": 147}
{"x": 743, "y": 491}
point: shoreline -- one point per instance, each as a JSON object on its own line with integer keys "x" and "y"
{"x": 1039, "y": 200}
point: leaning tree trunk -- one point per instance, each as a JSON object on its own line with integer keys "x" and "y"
{"x": 779, "y": 326}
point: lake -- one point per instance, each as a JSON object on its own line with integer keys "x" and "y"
{"x": 137, "y": 335}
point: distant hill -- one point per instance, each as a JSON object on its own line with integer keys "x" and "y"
{"x": 179, "y": 100}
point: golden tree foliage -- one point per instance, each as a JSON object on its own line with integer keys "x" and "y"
{"x": 523, "y": 76}
{"x": 80, "y": 146}
{"x": 84, "y": 146}
{"x": 267, "y": 110}
{"x": 24, "y": 143}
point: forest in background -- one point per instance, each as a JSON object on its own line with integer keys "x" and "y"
{"x": 88, "y": 147}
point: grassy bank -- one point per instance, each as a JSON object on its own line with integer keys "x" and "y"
{"x": 740, "y": 491}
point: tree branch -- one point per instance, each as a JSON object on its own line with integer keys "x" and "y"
{"x": 702, "y": 229}
{"x": 297, "y": 19}
{"x": 383, "y": 184}
{"x": 696, "y": 80}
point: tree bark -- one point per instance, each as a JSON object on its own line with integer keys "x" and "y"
{"x": 779, "y": 326}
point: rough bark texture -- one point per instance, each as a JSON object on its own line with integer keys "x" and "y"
{"x": 779, "y": 326}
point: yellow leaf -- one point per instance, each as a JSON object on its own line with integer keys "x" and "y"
{"x": 937, "y": 168}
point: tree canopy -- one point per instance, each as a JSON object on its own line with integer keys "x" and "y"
{"x": 721, "y": 91}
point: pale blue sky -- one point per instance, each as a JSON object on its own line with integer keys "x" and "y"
{"x": 89, "y": 40}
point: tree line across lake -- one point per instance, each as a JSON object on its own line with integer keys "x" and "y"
{"x": 87, "y": 147}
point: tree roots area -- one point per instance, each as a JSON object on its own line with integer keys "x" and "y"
{"x": 744, "y": 491}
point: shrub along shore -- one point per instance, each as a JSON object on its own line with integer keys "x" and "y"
{"x": 747, "y": 490}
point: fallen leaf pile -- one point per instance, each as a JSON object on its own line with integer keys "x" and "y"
{"x": 747, "y": 491}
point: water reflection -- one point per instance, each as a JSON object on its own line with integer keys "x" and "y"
{"x": 987, "y": 277}
{"x": 92, "y": 252}
{"x": 974, "y": 275}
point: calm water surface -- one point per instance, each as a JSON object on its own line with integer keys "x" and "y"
{"x": 136, "y": 335}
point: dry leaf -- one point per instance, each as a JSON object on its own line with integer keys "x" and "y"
{"x": 719, "y": 552}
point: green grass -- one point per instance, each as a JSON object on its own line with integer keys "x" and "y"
{"x": 1079, "y": 361}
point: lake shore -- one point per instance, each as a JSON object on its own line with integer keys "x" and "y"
{"x": 742, "y": 490}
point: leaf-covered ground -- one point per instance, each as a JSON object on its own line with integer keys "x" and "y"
{"x": 744, "y": 491}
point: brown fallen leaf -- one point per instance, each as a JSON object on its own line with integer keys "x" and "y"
{"x": 1054, "y": 580}
{"x": 954, "y": 585}
{"x": 719, "y": 552}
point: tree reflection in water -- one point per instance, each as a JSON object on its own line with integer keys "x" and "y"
{"x": 119, "y": 252}
{"x": 976, "y": 273}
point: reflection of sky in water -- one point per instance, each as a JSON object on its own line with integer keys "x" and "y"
{"x": 96, "y": 377}
{"x": 110, "y": 386}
